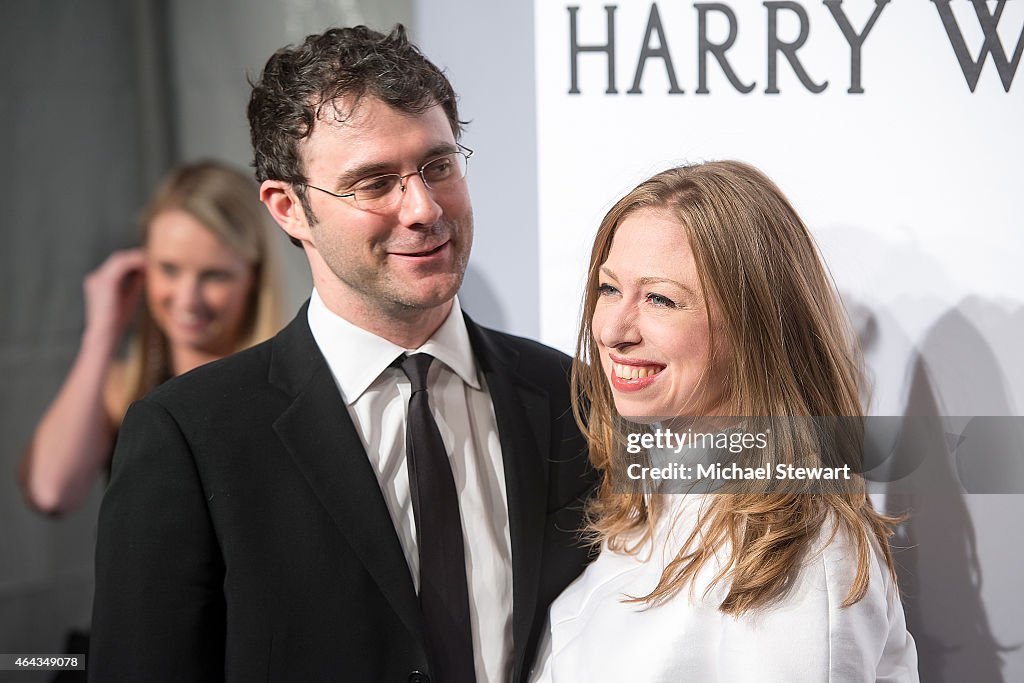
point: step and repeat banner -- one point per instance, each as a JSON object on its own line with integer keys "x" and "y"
{"x": 893, "y": 126}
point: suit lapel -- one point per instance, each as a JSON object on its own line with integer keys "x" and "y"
{"x": 524, "y": 428}
{"x": 319, "y": 434}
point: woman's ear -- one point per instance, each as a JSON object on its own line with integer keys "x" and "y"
{"x": 283, "y": 204}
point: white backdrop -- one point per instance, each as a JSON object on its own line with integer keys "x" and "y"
{"x": 911, "y": 188}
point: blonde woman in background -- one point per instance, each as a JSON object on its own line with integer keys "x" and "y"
{"x": 209, "y": 279}
{"x": 706, "y": 299}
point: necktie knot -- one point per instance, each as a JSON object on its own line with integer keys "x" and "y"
{"x": 415, "y": 368}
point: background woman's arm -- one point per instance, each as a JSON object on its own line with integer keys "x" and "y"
{"x": 73, "y": 441}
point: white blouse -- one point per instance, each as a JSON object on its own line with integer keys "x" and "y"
{"x": 806, "y": 636}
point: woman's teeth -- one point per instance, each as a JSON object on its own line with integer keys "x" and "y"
{"x": 635, "y": 371}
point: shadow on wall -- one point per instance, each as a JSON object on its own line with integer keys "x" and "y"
{"x": 952, "y": 370}
{"x": 478, "y": 299}
{"x": 944, "y": 355}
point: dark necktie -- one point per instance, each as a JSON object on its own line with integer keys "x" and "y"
{"x": 444, "y": 597}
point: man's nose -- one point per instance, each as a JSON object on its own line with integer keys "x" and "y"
{"x": 419, "y": 208}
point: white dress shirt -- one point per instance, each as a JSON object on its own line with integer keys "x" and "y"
{"x": 377, "y": 397}
{"x": 805, "y": 636}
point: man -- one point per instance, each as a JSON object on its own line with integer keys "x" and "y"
{"x": 264, "y": 520}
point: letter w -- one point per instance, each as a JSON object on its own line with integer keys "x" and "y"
{"x": 1007, "y": 68}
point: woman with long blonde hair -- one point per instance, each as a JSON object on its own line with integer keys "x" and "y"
{"x": 209, "y": 280}
{"x": 719, "y": 386}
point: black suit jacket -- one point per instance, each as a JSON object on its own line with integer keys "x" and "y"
{"x": 244, "y": 537}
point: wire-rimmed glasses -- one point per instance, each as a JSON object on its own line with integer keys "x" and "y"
{"x": 385, "y": 191}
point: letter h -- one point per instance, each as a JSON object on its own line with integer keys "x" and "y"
{"x": 608, "y": 48}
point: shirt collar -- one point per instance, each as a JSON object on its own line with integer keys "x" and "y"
{"x": 356, "y": 357}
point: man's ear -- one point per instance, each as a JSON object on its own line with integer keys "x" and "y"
{"x": 280, "y": 199}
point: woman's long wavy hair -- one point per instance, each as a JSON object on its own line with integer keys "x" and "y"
{"x": 226, "y": 202}
{"x": 792, "y": 356}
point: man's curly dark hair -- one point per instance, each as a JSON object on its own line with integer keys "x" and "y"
{"x": 298, "y": 82}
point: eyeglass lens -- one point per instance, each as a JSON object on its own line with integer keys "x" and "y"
{"x": 386, "y": 190}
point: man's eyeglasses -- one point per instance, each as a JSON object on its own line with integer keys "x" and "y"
{"x": 385, "y": 191}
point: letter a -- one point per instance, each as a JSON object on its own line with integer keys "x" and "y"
{"x": 654, "y": 26}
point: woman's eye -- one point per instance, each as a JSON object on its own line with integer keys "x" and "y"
{"x": 168, "y": 269}
{"x": 659, "y": 300}
{"x": 605, "y": 289}
{"x": 217, "y": 276}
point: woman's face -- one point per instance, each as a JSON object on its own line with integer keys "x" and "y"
{"x": 651, "y": 323}
{"x": 196, "y": 287}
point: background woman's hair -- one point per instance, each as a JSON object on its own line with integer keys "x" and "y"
{"x": 792, "y": 356}
{"x": 226, "y": 202}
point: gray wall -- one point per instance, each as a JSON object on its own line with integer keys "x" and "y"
{"x": 82, "y": 144}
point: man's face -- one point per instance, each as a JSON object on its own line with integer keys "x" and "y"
{"x": 408, "y": 258}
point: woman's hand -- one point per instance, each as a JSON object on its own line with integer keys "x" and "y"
{"x": 111, "y": 296}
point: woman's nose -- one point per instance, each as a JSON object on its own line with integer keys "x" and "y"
{"x": 616, "y": 325}
{"x": 189, "y": 293}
